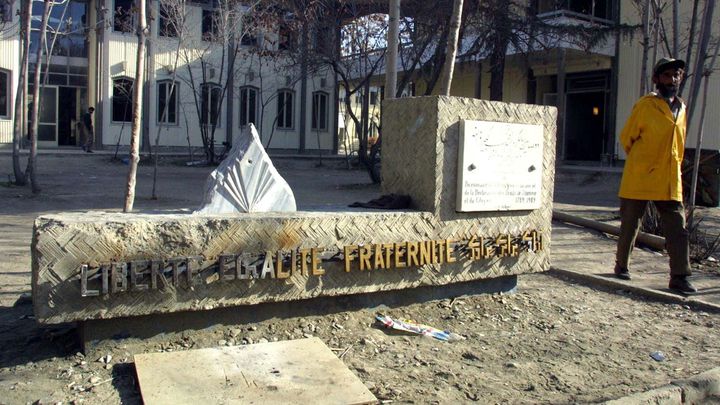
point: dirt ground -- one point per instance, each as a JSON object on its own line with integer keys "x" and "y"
{"x": 552, "y": 341}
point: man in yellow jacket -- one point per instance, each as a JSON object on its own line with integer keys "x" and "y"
{"x": 654, "y": 141}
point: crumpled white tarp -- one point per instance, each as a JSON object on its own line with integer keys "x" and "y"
{"x": 246, "y": 181}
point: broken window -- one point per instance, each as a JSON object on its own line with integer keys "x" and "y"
{"x": 248, "y": 106}
{"x": 167, "y": 22}
{"x": 285, "y": 109}
{"x": 4, "y": 93}
{"x": 123, "y": 16}
{"x": 320, "y": 111}
{"x": 122, "y": 99}
{"x": 167, "y": 102}
{"x": 210, "y": 104}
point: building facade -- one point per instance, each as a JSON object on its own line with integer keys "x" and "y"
{"x": 200, "y": 81}
{"x": 594, "y": 88}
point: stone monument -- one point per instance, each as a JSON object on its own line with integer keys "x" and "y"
{"x": 480, "y": 175}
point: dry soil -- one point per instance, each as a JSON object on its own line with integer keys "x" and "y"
{"x": 552, "y": 341}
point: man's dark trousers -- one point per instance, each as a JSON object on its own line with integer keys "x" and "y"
{"x": 672, "y": 215}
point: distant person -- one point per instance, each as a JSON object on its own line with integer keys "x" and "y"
{"x": 654, "y": 141}
{"x": 88, "y": 130}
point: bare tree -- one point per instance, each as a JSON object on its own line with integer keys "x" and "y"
{"x": 452, "y": 45}
{"x": 701, "y": 70}
{"x": 21, "y": 93}
{"x": 31, "y": 169}
{"x": 210, "y": 64}
{"x": 137, "y": 107}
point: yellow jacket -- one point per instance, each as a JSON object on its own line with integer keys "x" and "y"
{"x": 655, "y": 143}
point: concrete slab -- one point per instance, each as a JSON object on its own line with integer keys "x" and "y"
{"x": 301, "y": 371}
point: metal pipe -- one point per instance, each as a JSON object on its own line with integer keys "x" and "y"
{"x": 653, "y": 241}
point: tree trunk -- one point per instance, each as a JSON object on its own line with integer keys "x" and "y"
{"x": 21, "y": 94}
{"x": 137, "y": 109}
{"x": 655, "y": 30}
{"x": 698, "y": 68}
{"x": 698, "y": 147}
{"x": 451, "y": 51}
{"x": 392, "y": 49}
{"x": 31, "y": 170}
{"x": 646, "y": 47}
{"x": 497, "y": 70}
{"x": 676, "y": 28}
{"x": 691, "y": 36}
{"x": 502, "y": 31}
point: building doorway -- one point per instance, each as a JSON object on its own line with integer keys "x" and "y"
{"x": 68, "y": 117}
{"x": 585, "y": 126}
{"x": 60, "y": 114}
{"x": 47, "y": 114}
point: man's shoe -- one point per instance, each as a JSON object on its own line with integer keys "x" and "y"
{"x": 89, "y": 151}
{"x": 682, "y": 285}
{"x": 621, "y": 272}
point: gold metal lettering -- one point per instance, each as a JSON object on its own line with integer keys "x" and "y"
{"x": 440, "y": 247}
{"x": 399, "y": 254}
{"x": 304, "y": 261}
{"x": 364, "y": 258}
{"x": 412, "y": 254}
{"x": 348, "y": 256}
{"x": 279, "y": 268}
{"x": 293, "y": 262}
{"x": 388, "y": 247}
{"x": 379, "y": 258}
{"x": 503, "y": 245}
{"x": 426, "y": 252}
{"x": 449, "y": 252}
{"x": 315, "y": 258}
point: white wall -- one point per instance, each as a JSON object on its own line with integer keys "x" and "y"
{"x": 10, "y": 62}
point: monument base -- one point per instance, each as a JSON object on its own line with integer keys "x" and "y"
{"x": 95, "y": 334}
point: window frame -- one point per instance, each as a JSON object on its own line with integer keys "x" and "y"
{"x": 286, "y": 39}
{"x": 211, "y": 19}
{"x": 129, "y": 99}
{"x": 282, "y": 107}
{"x": 175, "y": 91}
{"x": 206, "y": 108}
{"x": 8, "y": 93}
{"x": 116, "y": 27}
{"x": 166, "y": 28}
{"x": 250, "y": 33}
{"x": 316, "y": 97}
{"x": 243, "y": 90}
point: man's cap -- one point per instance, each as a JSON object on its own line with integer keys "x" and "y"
{"x": 91, "y": 108}
{"x": 668, "y": 63}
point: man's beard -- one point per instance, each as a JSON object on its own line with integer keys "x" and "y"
{"x": 667, "y": 91}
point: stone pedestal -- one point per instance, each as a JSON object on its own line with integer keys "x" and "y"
{"x": 104, "y": 265}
